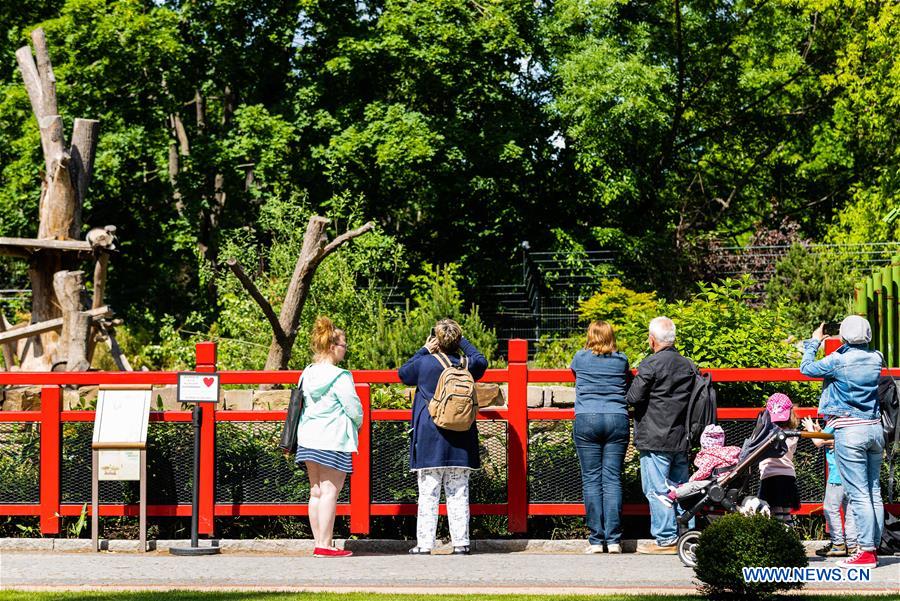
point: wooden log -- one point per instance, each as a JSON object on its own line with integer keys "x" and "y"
{"x": 100, "y": 268}
{"x": 30, "y": 245}
{"x": 84, "y": 147}
{"x": 39, "y": 353}
{"x": 53, "y": 143}
{"x": 45, "y": 70}
{"x": 77, "y": 324}
{"x": 67, "y": 285}
{"x": 50, "y": 325}
{"x": 31, "y": 78}
{"x": 8, "y": 349}
{"x": 60, "y": 213}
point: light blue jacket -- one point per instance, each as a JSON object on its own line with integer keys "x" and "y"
{"x": 851, "y": 379}
{"x": 332, "y": 412}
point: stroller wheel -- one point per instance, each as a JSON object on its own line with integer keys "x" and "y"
{"x": 686, "y": 545}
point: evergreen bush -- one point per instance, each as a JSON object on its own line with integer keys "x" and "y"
{"x": 734, "y": 542}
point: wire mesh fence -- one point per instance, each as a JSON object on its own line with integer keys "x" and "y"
{"x": 393, "y": 482}
{"x": 554, "y": 475}
{"x": 20, "y": 452}
{"x": 170, "y": 465}
{"x": 250, "y": 468}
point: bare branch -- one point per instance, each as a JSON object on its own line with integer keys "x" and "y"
{"x": 346, "y": 236}
{"x": 257, "y": 296}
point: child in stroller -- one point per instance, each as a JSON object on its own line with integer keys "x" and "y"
{"x": 724, "y": 492}
{"x": 714, "y": 459}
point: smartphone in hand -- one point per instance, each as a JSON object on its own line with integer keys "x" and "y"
{"x": 832, "y": 328}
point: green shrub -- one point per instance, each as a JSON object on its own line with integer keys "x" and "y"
{"x": 734, "y": 542}
{"x": 628, "y": 311}
{"x": 396, "y": 336}
{"x": 717, "y": 327}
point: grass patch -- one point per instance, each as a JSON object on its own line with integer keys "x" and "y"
{"x": 186, "y": 595}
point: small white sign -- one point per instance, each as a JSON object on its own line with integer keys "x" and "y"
{"x": 119, "y": 465}
{"x": 198, "y": 387}
{"x": 122, "y": 416}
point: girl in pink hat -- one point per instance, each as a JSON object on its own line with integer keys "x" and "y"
{"x": 777, "y": 478}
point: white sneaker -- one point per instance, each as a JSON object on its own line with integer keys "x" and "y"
{"x": 614, "y": 548}
{"x": 594, "y": 549}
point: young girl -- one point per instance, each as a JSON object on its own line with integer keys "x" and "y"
{"x": 777, "y": 478}
{"x": 713, "y": 455}
{"x": 843, "y": 534}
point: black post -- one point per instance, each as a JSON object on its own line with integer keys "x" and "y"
{"x": 195, "y": 488}
{"x": 195, "y": 548}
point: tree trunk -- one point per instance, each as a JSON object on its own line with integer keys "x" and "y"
{"x": 84, "y": 147}
{"x": 66, "y": 180}
{"x": 298, "y": 289}
{"x": 73, "y": 340}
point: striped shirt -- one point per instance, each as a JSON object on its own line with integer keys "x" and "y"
{"x": 845, "y": 422}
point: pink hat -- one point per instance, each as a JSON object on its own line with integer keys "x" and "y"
{"x": 779, "y": 407}
{"x": 713, "y": 436}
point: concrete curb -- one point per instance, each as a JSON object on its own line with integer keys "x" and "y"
{"x": 305, "y": 546}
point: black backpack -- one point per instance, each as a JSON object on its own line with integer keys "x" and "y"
{"x": 890, "y": 536}
{"x": 701, "y": 411}
{"x": 889, "y": 402}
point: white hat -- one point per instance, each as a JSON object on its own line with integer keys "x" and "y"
{"x": 856, "y": 330}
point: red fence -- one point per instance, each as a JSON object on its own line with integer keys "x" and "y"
{"x": 360, "y": 508}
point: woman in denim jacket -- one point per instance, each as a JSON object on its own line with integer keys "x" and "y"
{"x": 601, "y": 432}
{"x": 850, "y": 404}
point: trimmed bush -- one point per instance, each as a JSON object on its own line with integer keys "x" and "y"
{"x": 734, "y": 542}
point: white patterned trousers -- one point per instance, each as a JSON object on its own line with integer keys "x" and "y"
{"x": 455, "y": 481}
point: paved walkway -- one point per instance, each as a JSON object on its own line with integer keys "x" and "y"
{"x": 482, "y": 573}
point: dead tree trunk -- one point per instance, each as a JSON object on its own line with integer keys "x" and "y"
{"x": 73, "y": 342}
{"x": 66, "y": 178}
{"x": 315, "y": 248}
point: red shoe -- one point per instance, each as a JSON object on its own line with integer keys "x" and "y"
{"x": 331, "y": 552}
{"x": 861, "y": 559}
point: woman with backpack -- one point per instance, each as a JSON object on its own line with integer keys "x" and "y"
{"x": 849, "y": 403}
{"x": 443, "y": 456}
{"x": 328, "y": 431}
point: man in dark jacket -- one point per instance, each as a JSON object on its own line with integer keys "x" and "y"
{"x": 660, "y": 395}
{"x": 441, "y": 458}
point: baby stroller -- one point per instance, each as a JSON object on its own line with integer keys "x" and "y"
{"x": 725, "y": 491}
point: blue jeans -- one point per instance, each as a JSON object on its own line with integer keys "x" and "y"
{"x": 857, "y": 451}
{"x": 835, "y": 500}
{"x": 601, "y": 440}
{"x": 656, "y": 468}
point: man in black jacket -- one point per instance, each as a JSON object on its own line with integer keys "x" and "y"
{"x": 660, "y": 395}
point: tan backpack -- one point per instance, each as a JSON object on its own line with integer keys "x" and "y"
{"x": 454, "y": 405}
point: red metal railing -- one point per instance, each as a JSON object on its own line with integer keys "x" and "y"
{"x": 360, "y": 509}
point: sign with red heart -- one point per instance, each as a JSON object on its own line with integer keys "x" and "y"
{"x": 198, "y": 387}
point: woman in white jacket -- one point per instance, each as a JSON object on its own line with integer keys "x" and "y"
{"x": 328, "y": 431}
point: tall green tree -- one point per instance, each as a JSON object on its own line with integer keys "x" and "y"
{"x": 692, "y": 117}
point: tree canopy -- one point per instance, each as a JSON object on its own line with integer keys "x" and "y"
{"x": 461, "y": 127}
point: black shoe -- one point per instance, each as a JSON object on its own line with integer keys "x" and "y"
{"x": 464, "y": 550}
{"x": 418, "y": 551}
